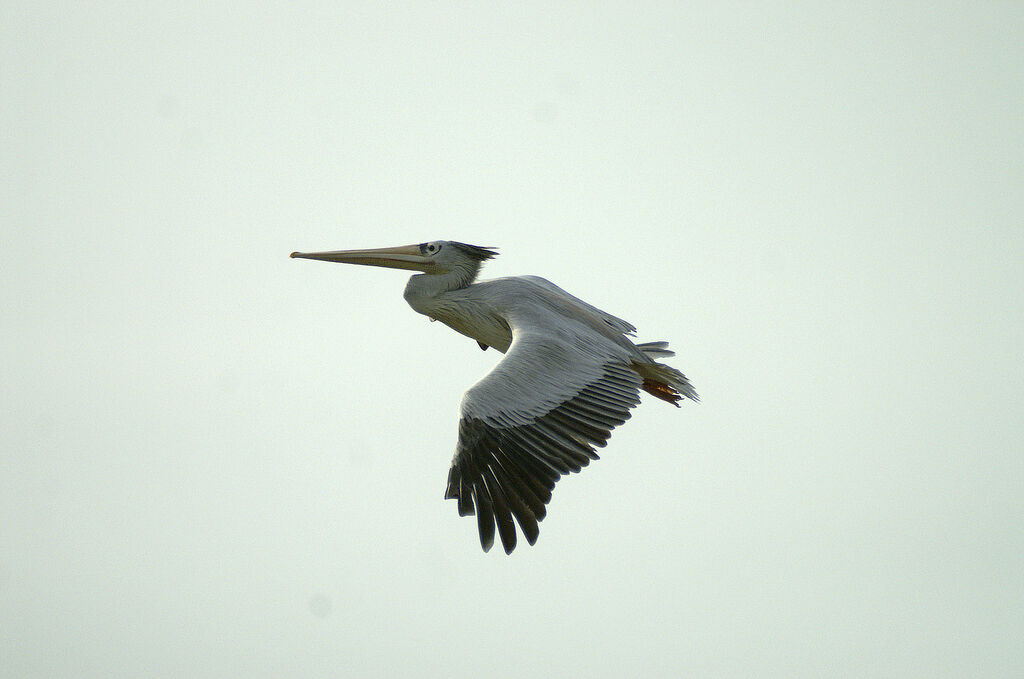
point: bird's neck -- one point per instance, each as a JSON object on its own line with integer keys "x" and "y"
{"x": 459, "y": 305}
{"x": 423, "y": 292}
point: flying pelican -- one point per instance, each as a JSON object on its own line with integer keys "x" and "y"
{"x": 569, "y": 376}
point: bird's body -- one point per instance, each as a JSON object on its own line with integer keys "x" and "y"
{"x": 481, "y": 310}
{"x": 570, "y": 374}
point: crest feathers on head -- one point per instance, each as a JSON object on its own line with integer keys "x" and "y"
{"x": 478, "y": 253}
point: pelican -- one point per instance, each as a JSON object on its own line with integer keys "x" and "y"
{"x": 569, "y": 376}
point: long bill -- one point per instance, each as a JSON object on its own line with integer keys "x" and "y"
{"x": 405, "y": 257}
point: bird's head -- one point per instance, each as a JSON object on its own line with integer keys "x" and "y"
{"x": 435, "y": 257}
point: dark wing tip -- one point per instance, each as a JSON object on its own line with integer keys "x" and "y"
{"x": 454, "y": 491}
{"x": 508, "y": 538}
{"x": 531, "y": 531}
{"x": 485, "y": 523}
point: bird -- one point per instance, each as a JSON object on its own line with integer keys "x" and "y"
{"x": 570, "y": 374}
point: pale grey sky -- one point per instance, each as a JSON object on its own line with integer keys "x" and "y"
{"x": 216, "y": 461}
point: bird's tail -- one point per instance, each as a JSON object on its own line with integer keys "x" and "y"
{"x": 656, "y": 349}
{"x": 660, "y": 380}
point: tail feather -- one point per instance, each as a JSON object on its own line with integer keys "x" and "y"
{"x": 656, "y": 349}
{"x": 665, "y": 382}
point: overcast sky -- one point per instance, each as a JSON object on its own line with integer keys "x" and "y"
{"x": 216, "y": 461}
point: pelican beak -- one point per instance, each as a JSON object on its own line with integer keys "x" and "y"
{"x": 405, "y": 257}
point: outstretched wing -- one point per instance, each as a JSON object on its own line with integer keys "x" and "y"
{"x": 536, "y": 416}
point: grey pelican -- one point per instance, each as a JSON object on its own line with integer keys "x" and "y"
{"x": 569, "y": 376}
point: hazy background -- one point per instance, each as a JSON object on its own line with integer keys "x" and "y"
{"x": 220, "y": 462}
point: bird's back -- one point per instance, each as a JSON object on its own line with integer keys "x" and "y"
{"x": 538, "y": 301}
